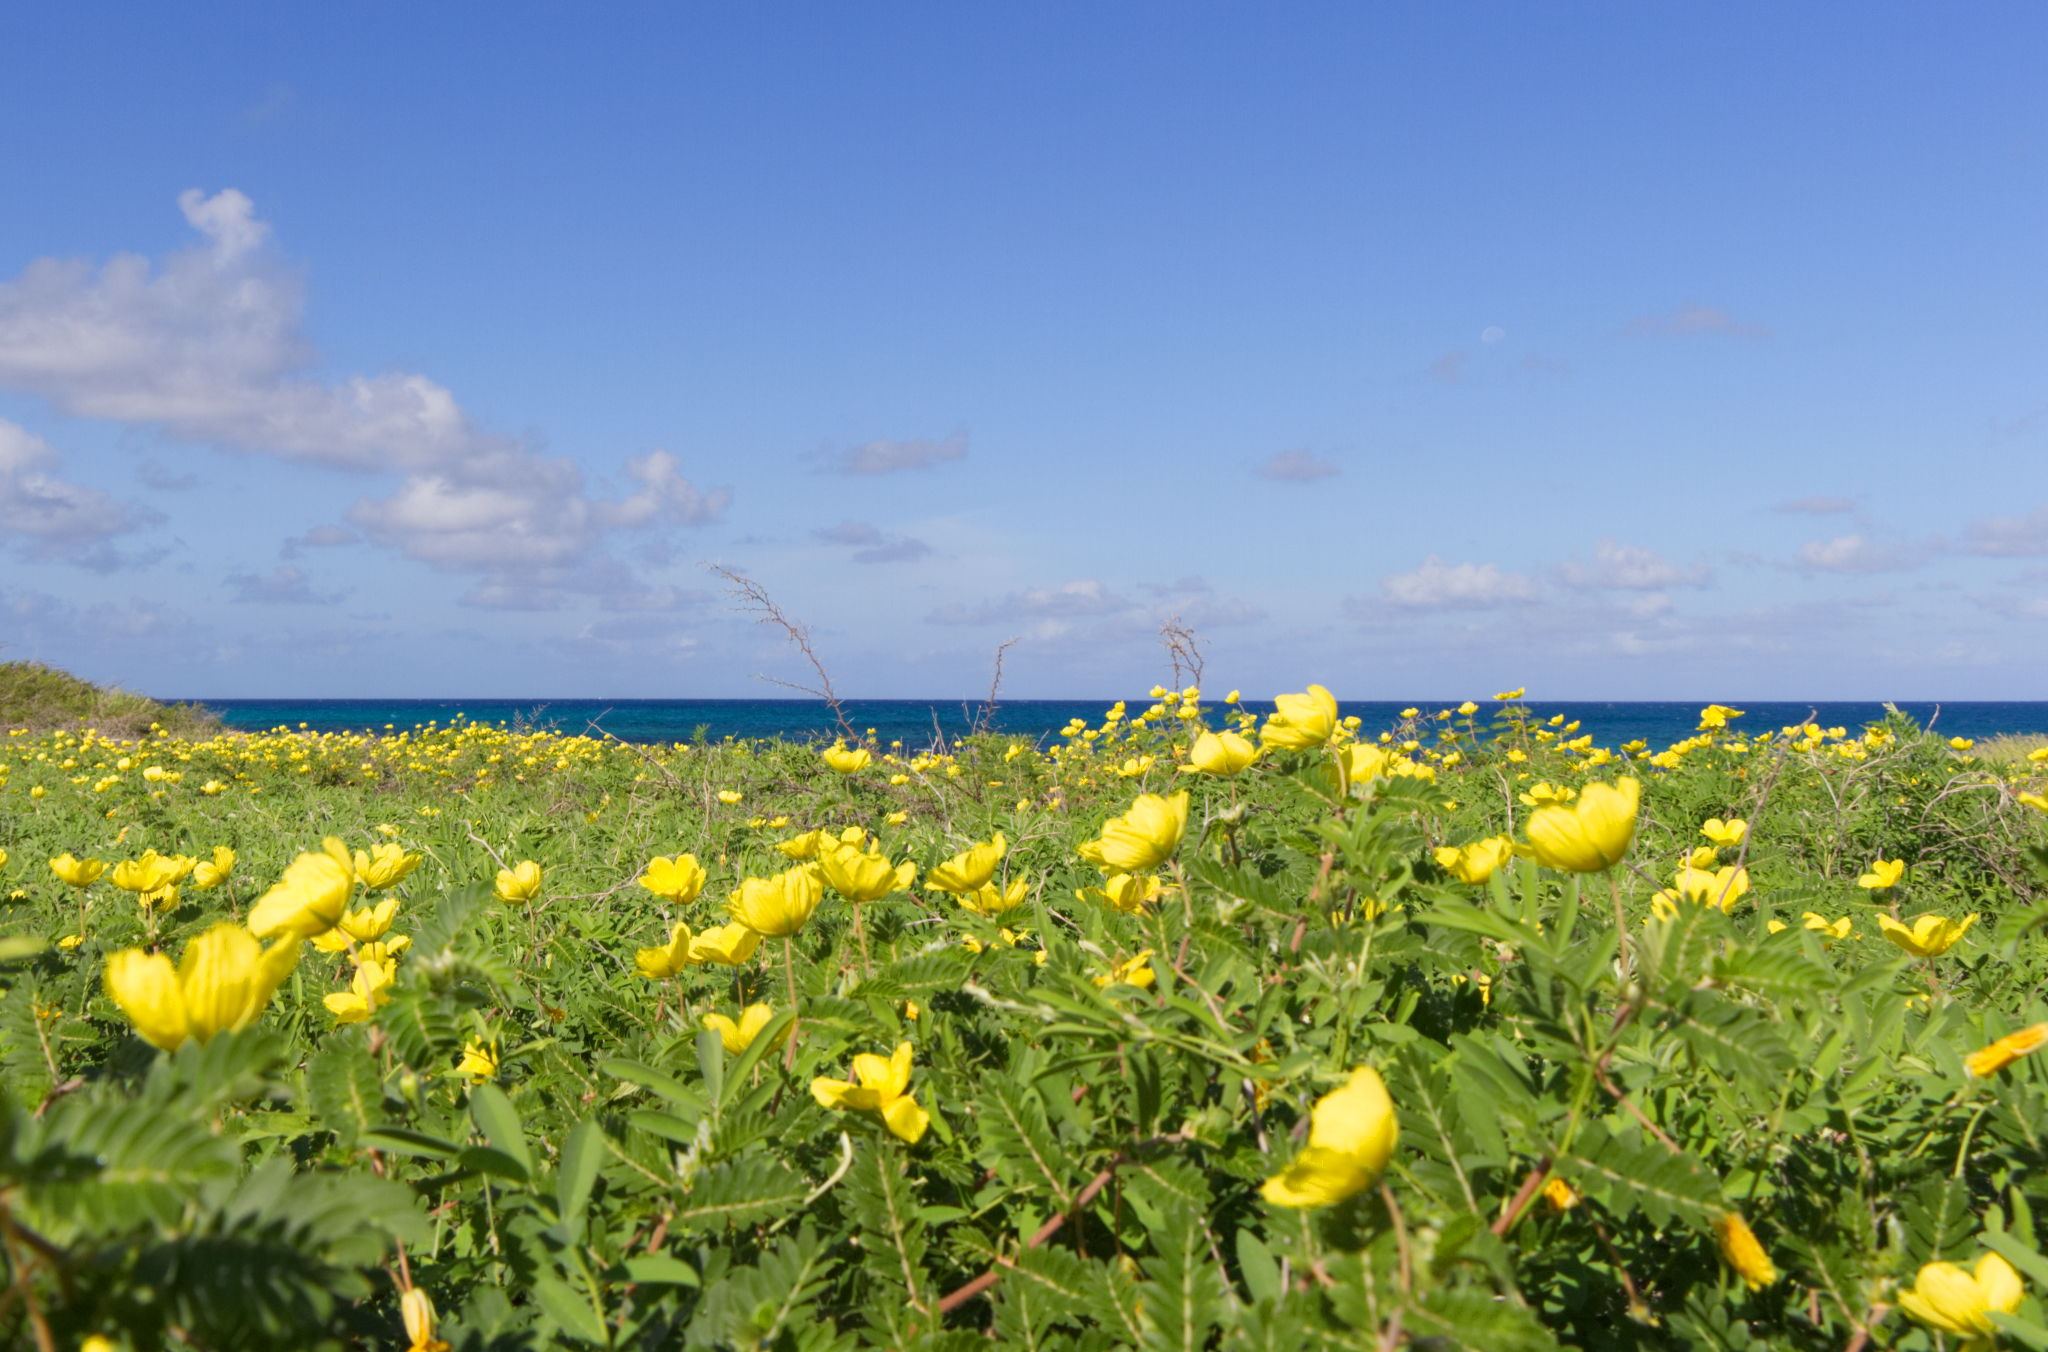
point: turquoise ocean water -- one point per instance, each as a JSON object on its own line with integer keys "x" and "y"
{"x": 915, "y": 721}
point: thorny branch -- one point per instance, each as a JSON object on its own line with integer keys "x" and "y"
{"x": 752, "y": 597}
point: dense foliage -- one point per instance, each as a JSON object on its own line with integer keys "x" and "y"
{"x": 449, "y": 1080}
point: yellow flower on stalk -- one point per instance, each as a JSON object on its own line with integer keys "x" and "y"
{"x": 1561, "y": 1195}
{"x": 1360, "y": 763}
{"x": 1476, "y": 862}
{"x": 807, "y": 845}
{"x": 1731, "y": 832}
{"x": 1351, "y": 1135}
{"x": 366, "y": 923}
{"x": 1132, "y": 971}
{"x": 737, "y": 1037}
{"x": 519, "y": 885}
{"x": 665, "y": 960}
{"x": 2035, "y": 801}
{"x": 75, "y": 872}
{"x": 778, "y": 906}
{"x": 208, "y": 874}
{"x": 677, "y": 879}
{"x": 1883, "y": 875}
{"x": 1721, "y": 887}
{"x": 1503, "y": 696}
{"x": 307, "y": 900}
{"x": 1928, "y": 936}
{"x": 152, "y": 872}
{"x": 970, "y": 870}
{"x": 1717, "y": 716}
{"x": 847, "y": 760}
{"x": 726, "y": 945}
{"x": 383, "y": 865}
{"x": 368, "y": 990}
{"x": 1951, "y": 1299}
{"x": 221, "y": 983}
{"x": 1826, "y": 928}
{"x": 1741, "y": 1251}
{"x": 1301, "y": 721}
{"x": 1126, "y": 892}
{"x": 1143, "y": 838}
{"x": 1988, "y": 1061}
{"x": 863, "y": 875}
{"x": 990, "y": 900}
{"x": 730, "y": 796}
{"x": 416, "y": 1309}
{"x": 479, "y": 1061}
{"x": 1590, "y": 835}
{"x": 881, "y": 1084}
{"x": 1219, "y": 754}
{"x": 1545, "y": 794}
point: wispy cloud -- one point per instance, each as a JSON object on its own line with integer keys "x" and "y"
{"x": 284, "y": 585}
{"x": 1297, "y": 467}
{"x": 1456, "y": 586}
{"x": 52, "y": 518}
{"x": 1858, "y": 553}
{"x": 2010, "y": 537}
{"x": 319, "y": 537}
{"x": 1818, "y": 505}
{"x": 1621, "y": 567}
{"x": 870, "y": 544}
{"x": 1689, "y": 321}
{"x": 1449, "y": 369}
{"x": 892, "y": 457}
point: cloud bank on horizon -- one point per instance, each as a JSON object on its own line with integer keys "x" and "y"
{"x": 258, "y": 451}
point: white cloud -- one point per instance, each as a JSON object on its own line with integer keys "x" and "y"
{"x": 2010, "y": 537}
{"x": 207, "y": 346}
{"x": 894, "y": 457}
{"x": 51, "y": 517}
{"x": 1859, "y": 553}
{"x": 284, "y": 585}
{"x": 1817, "y": 505}
{"x": 1456, "y": 586}
{"x": 1069, "y": 600}
{"x": 1620, "y": 567}
{"x": 1298, "y": 467}
{"x": 870, "y": 544}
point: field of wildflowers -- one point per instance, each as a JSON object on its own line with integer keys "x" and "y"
{"x": 1200, "y": 1026}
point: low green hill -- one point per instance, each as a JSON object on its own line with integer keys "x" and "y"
{"x": 37, "y": 697}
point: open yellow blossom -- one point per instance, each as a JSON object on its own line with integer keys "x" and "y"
{"x": 1359, "y": 764}
{"x": 1590, "y": 835}
{"x": 383, "y": 865}
{"x": 518, "y": 885}
{"x": 1351, "y": 1136}
{"x": 1476, "y": 862}
{"x": 1126, "y": 892}
{"x": 847, "y": 760}
{"x": 307, "y": 900}
{"x": 807, "y": 845}
{"x": 863, "y": 875}
{"x": 1132, "y": 971}
{"x": 991, "y": 900}
{"x": 1503, "y": 696}
{"x": 1143, "y": 838}
{"x": 881, "y": 1084}
{"x": 1722, "y": 888}
{"x": 730, "y": 796}
{"x": 1928, "y": 936}
{"x": 1953, "y": 1299}
{"x": 665, "y": 960}
{"x": 1219, "y": 754}
{"x": 778, "y": 906}
{"x": 1731, "y": 832}
{"x": 75, "y": 872}
{"x": 1883, "y": 874}
{"x": 1561, "y": 1195}
{"x": 1545, "y": 793}
{"x": 2035, "y": 801}
{"x": 1717, "y": 716}
{"x": 222, "y": 982}
{"x": 208, "y": 874}
{"x": 737, "y": 1037}
{"x": 1987, "y": 1061}
{"x": 479, "y": 1061}
{"x": 152, "y": 872}
{"x": 971, "y": 869}
{"x": 368, "y": 990}
{"x": 725, "y": 945}
{"x": 1741, "y": 1251}
{"x": 1301, "y": 721}
{"x": 678, "y": 879}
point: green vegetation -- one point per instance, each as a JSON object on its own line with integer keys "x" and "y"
{"x": 40, "y": 698}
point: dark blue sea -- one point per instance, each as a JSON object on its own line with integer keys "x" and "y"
{"x": 916, "y": 721}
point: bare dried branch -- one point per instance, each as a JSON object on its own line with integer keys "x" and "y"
{"x": 1184, "y": 650}
{"x": 985, "y": 717}
{"x": 751, "y": 597}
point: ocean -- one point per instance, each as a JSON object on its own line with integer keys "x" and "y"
{"x": 915, "y": 721}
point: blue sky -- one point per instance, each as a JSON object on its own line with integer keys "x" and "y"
{"x": 1621, "y": 351}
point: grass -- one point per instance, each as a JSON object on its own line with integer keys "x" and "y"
{"x": 41, "y": 698}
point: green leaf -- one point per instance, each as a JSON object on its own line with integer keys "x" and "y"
{"x": 498, "y": 1120}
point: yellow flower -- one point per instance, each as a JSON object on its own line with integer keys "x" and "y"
{"x": 308, "y": 899}
{"x": 1883, "y": 874}
{"x": 1133, "y": 971}
{"x": 1741, "y": 1251}
{"x": 479, "y": 1061}
{"x": 1960, "y": 743}
{"x": 863, "y": 875}
{"x": 1832, "y": 929}
{"x": 1950, "y": 1299}
{"x": 1721, "y": 887}
{"x": 368, "y": 990}
{"x": 1717, "y": 716}
{"x": 152, "y": 872}
{"x": 970, "y": 870}
{"x": 1545, "y": 794}
{"x": 1561, "y": 1195}
{"x": 1360, "y": 763}
{"x": 1126, "y": 892}
{"x": 416, "y": 1308}
{"x": 1476, "y": 862}
{"x": 211, "y": 873}
{"x": 1351, "y": 1136}
{"x": 1987, "y": 1061}
{"x": 222, "y": 982}
{"x": 679, "y": 879}
{"x": 778, "y": 906}
{"x": 1221, "y": 754}
{"x": 991, "y": 900}
{"x": 75, "y": 872}
{"x": 665, "y": 960}
{"x": 1301, "y": 721}
{"x": 1142, "y": 838}
{"x": 1929, "y": 936}
{"x": 384, "y": 865}
{"x": 1590, "y": 835}
{"x": 1730, "y": 832}
{"x": 1503, "y": 696}
{"x": 737, "y": 1037}
{"x": 807, "y": 845}
{"x": 2035, "y": 801}
{"x": 730, "y": 796}
{"x": 847, "y": 760}
{"x": 517, "y": 886}
{"x": 881, "y": 1085}
{"x": 362, "y": 925}
{"x": 726, "y": 945}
